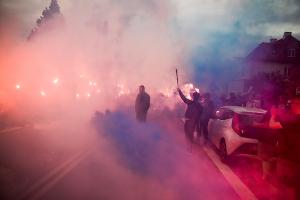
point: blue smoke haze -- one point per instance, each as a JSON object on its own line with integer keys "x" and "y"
{"x": 139, "y": 144}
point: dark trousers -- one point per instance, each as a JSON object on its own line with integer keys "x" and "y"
{"x": 190, "y": 126}
{"x": 204, "y": 128}
{"x": 141, "y": 116}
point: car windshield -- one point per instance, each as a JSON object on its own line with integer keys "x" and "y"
{"x": 247, "y": 118}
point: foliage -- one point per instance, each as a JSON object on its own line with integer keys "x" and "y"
{"x": 48, "y": 14}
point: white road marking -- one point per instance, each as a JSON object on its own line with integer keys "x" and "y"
{"x": 8, "y": 130}
{"x": 39, "y": 188}
{"x": 240, "y": 188}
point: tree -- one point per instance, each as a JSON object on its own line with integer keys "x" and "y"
{"x": 47, "y": 15}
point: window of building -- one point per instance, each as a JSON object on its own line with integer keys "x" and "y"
{"x": 286, "y": 72}
{"x": 292, "y": 53}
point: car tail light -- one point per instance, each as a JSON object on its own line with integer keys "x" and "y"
{"x": 236, "y": 126}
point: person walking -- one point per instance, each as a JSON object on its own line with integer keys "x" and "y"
{"x": 208, "y": 112}
{"x": 142, "y": 104}
{"x": 192, "y": 115}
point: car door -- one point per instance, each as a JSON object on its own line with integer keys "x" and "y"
{"x": 221, "y": 125}
{"x": 213, "y": 127}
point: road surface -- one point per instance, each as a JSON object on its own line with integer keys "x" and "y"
{"x": 124, "y": 161}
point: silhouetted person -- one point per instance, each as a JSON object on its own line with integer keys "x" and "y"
{"x": 289, "y": 143}
{"x": 268, "y": 131}
{"x": 142, "y": 104}
{"x": 232, "y": 101}
{"x": 208, "y": 112}
{"x": 223, "y": 100}
{"x": 192, "y": 115}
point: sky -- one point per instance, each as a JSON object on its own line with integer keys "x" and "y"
{"x": 205, "y": 33}
{"x": 206, "y": 23}
{"x": 267, "y": 18}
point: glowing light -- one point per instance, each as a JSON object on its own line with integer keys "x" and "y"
{"x": 121, "y": 86}
{"x": 189, "y": 85}
{"x": 98, "y": 91}
{"x": 121, "y": 93}
{"x": 188, "y": 89}
{"x": 88, "y": 95}
{"x": 43, "y": 94}
{"x": 77, "y": 95}
{"x": 122, "y": 90}
{"x": 18, "y": 87}
{"x": 90, "y": 83}
{"x": 55, "y": 81}
{"x": 168, "y": 92}
{"x": 94, "y": 84}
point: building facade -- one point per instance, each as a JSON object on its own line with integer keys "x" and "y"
{"x": 281, "y": 57}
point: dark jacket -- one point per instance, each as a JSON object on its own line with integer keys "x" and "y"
{"x": 289, "y": 142}
{"x": 142, "y": 103}
{"x": 194, "y": 108}
{"x": 208, "y": 110}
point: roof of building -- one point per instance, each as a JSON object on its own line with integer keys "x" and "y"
{"x": 277, "y": 50}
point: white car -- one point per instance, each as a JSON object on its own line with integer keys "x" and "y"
{"x": 230, "y": 131}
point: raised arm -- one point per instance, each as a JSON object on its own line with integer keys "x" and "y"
{"x": 184, "y": 99}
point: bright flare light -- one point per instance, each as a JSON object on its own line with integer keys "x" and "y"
{"x": 43, "y": 94}
{"x": 188, "y": 89}
{"x": 167, "y": 92}
{"x": 122, "y": 90}
{"x": 18, "y": 87}
{"x": 121, "y": 93}
{"x": 55, "y": 81}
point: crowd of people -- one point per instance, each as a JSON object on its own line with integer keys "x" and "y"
{"x": 280, "y": 126}
{"x": 199, "y": 110}
{"x": 263, "y": 88}
{"x": 279, "y": 143}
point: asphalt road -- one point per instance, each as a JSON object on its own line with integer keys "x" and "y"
{"x": 145, "y": 161}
